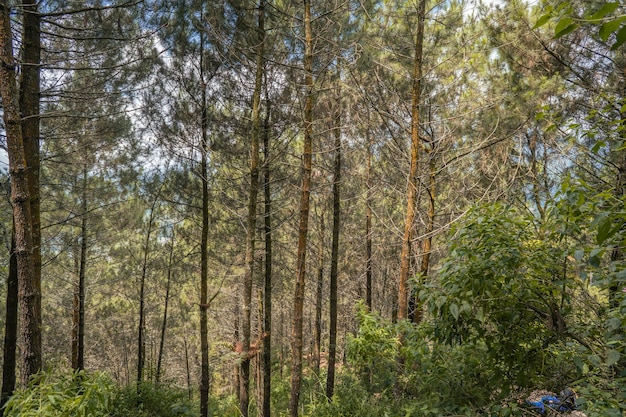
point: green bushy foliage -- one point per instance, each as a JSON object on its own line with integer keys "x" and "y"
{"x": 94, "y": 394}
{"x": 510, "y": 311}
{"x": 152, "y": 401}
{"x": 60, "y": 394}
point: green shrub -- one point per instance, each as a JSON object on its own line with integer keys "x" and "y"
{"x": 60, "y": 394}
{"x": 152, "y": 401}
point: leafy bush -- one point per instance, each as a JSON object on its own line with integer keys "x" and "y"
{"x": 94, "y": 394}
{"x": 152, "y": 401}
{"x": 63, "y": 394}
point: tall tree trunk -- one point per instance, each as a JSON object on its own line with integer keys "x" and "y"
{"x": 296, "y": 332}
{"x": 141, "y": 341}
{"x": 204, "y": 243}
{"x": 405, "y": 255}
{"x": 165, "y": 307}
{"x": 267, "y": 290}
{"x": 334, "y": 259}
{"x": 29, "y": 290}
{"x": 10, "y": 331}
{"x": 428, "y": 240}
{"x": 368, "y": 224}
{"x": 619, "y": 161}
{"x": 244, "y": 398}
{"x": 29, "y": 107}
{"x": 78, "y": 327}
{"x": 237, "y": 368}
{"x": 317, "y": 332}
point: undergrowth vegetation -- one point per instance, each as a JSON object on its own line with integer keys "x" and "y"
{"x": 509, "y": 313}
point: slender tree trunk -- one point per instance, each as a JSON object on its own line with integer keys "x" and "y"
{"x": 165, "y": 307}
{"x": 317, "y": 333}
{"x": 141, "y": 342}
{"x": 368, "y": 224}
{"x": 427, "y": 242}
{"x": 237, "y": 368}
{"x": 78, "y": 327}
{"x": 187, "y": 368}
{"x": 405, "y": 255}
{"x": 334, "y": 259}
{"x": 296, "y": 333}
{"x": 204, "y": 260}
{"x": 244, "y": 398}
{"x": 10, "y": 331}
{"x": 29, "y": 290}
{"x": 267, "y": 290}
{"x": 29, "y": 107}
{"x": 619, "y": 161}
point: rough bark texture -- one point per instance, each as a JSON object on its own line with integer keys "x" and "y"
{"x": 418, "y": 314}
{"x": 368, "y": 226}
{"x": 267, "y": 291}
{"x": 244, "y": 398}
{"x": 317, "y": 332}
{"x": 28, "y": 289}
{"x": 204, "y": 260}
{"x": 10, "y": 331}
{"x": 334, "y": 257}
{"x": 30, "y": 108}
{"x": 78, "y": 325}
{"x": 296, "y": 332}
{"x": 141, "y": 341}
{"x": 405, "y": 256}
{"x": 165, "y": 308}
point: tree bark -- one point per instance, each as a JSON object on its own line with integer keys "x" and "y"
{"x": 244, "y": 398}
{"x": 78, "y": 325}
{"x": 29, "y": 290}
{"x": 317, "y": 332}
{"x": 204, "y": 260}
{"x": 165, "y": 308}
{"x": 418, "y": 313}
{"x": 296, "y": 333}
{"x": 30, "y": 108}
{"x": 368, "y": 224}
{"x": 405, "y": 255}
{"x": 141, "y": 342}
{"x": 267, "y": 290}
{"x": 10, "y": 331}
{"x": 334, "y": 258}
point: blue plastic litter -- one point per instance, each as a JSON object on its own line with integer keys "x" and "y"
{"x": 566, "y": 401}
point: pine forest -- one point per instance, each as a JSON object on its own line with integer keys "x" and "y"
{"x": 316, "y": 208}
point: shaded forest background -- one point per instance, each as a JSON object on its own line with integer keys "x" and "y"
{"x": 318, "y": 207}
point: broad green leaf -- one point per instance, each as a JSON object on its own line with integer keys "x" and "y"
{"x": 621, "y": 275}
{"x": 609, "y": 27}
{"x": 612, "y": 357}
{"x": 599, "y": 145}
{"x": 480, "y": 316}
{"x": 542, "y": 20}
{"x": 620, "y": 38}
{"x": 595, "y": 359}
{"x": 594, "y": 261}
{"x": 604, "y": 10}
{"x": 580, "y": 364}
{"x": 578, "y": 255}
{"x": 454, "y": 310}
{"x": 564, "y": 31}
{"x": 565, "y": 26}
{"x": 604, "y": 229}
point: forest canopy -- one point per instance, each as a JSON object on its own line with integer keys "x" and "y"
{"x": 317, "y": 208}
